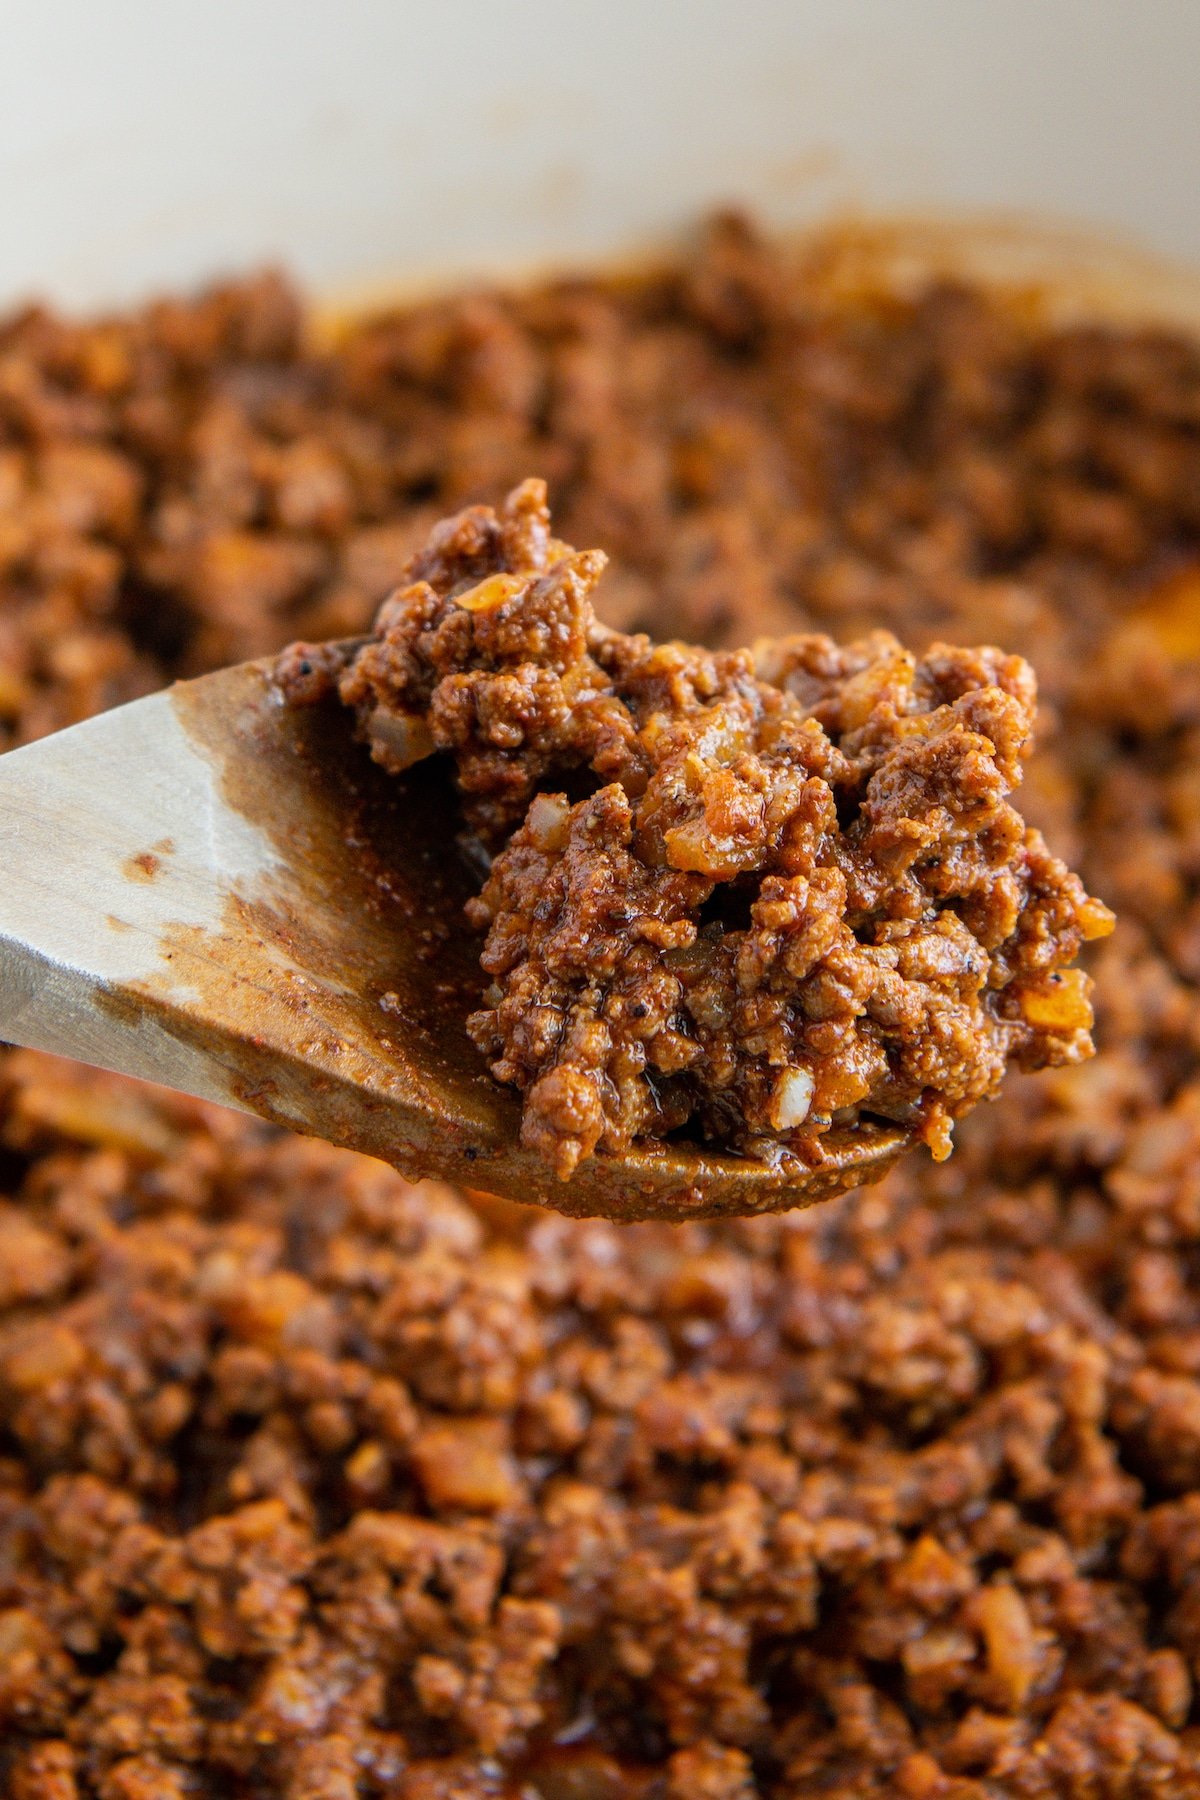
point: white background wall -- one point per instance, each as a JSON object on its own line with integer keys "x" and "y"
{"x": 153, "y": 142}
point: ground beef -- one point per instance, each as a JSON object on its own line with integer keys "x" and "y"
{"x": 793, "y": 893}
{"x": 318, "y": 1484}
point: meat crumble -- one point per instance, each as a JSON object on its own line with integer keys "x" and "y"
{"x": 318, "y": 1484}
{"x": 796, "y": 892}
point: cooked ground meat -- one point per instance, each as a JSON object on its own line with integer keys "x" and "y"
{"x": 317, "y": 1484}
{"x": 796, "y": 892}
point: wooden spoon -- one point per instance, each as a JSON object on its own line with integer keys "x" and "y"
{"x": 215, "y": 890}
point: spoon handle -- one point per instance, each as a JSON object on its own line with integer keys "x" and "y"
{"x": 110, "y": 832}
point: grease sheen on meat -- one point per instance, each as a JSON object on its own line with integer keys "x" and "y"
{"x": 794, "y": 891}
{"x": 319, "y": 1485}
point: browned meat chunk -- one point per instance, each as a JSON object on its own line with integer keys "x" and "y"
{"x": 792, "y": 889}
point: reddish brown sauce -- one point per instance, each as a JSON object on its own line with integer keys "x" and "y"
{"x": 144, "y": 865}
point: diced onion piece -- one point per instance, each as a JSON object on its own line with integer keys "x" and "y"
{"x": 937, "y": 1131}
{"x": 1010, "y": 1642}
{"x": 1095, "y": 919}
{"x": 1059, "y": 1003}
{"x": 398, "y": 740}
{"x": 770, "y": 658}
{"x": 1172, "y": 613}
{"x": 791, "y": 1099}
{"x": 546, "y": 820}
{"x": 490, "y": 593}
